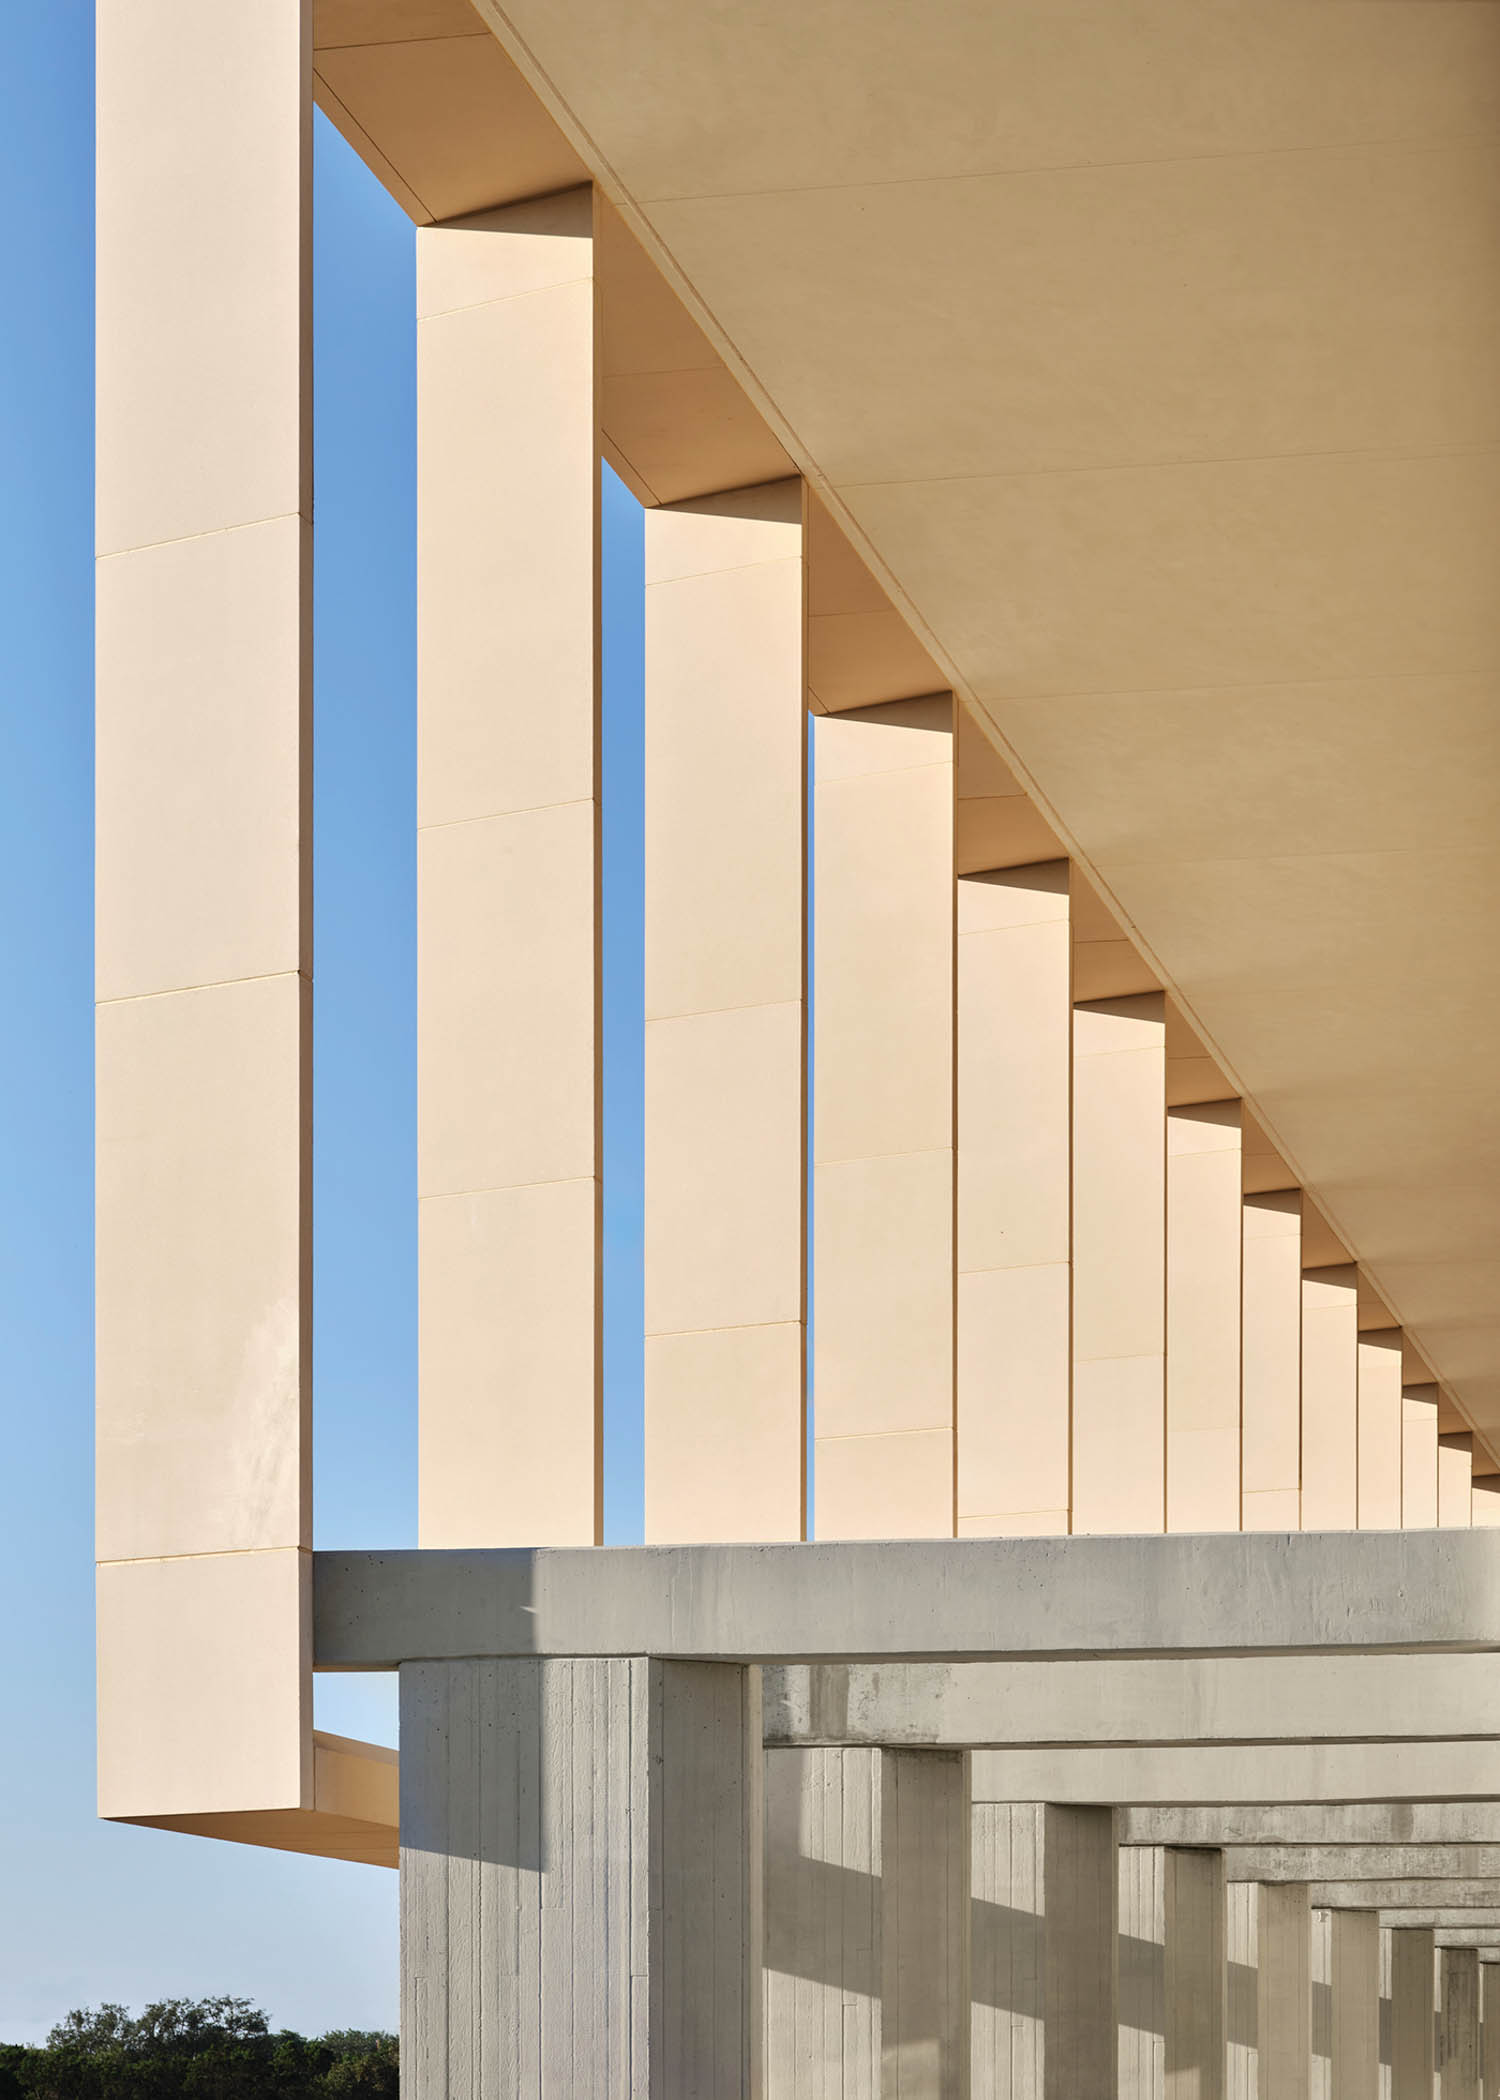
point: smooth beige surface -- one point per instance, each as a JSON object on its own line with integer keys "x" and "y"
{"x": 1379, "y": 1379}
{"x": 1193, "y": 481}
{"x": 1455, "y": 1480}
{"x": 1203, "y": 1317}
{"x": 1330, "y": 1400}
{"x": 1419, "y": 1457}
{"x": 1014, "y": 1198}
{"x": 883, "y": 1116}
{"x": 724, "y": 1135}
{"x": 1272, "y": 1361}
{"x": 1119, "y": 1265}
{"x": 507, "y": 877}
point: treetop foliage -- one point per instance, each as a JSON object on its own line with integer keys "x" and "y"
{"x": 196, "y": 2049}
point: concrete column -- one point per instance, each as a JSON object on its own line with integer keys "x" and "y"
{"x": 580, "y": 1869}
{"x": 1380, "y": 1430}
{"x": 1411, "y": 2013}
{"x": 1143, "y": 1978}
{"x": 1203, "y": 1317}
{"x": 1196, "y": 2007}
{"x": 883, "y": 1127}
{"x": 866, "y": 1984}
{"x": 1489, "y": 2038}
{"x": 1354, "y": 1985}
{"x": 1320, "y": 2084}
{"x": 1014, "y": 1200}
{"x": 1242, "y": 1939}
{"x": 1456, "y": 1481}
{"x": 1458, "y": 2024}
{"x": 725, "y": 911}
{"x": 1119, "y": 1264}
{"x": 203, "y": 954}
{"x": 1045, "y": 1953}
{"x": 507, "y": 877}
{"x": 1419, "y": 1457}
{"x": 1330, "y": 1399}
{"x": 1272, "y": 1498}
{"x": 1284, "y": 1965}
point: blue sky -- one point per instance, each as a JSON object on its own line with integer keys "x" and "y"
{"x": 94, "y": 1911}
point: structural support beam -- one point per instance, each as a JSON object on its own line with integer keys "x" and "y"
{"x": 1119, "y": 1264}
{"x": 1272, "y": 1498}
{"x": 580, "y": 1861}
{"x": 507, "y": 876}
{"x": 1412, "y": 2011}
{"x": 1458, "y": 2024}
{"x": 1379, "y": 1378}
{"x": 1456, "y": 1824}
{"x": 1330, "y": 1399}
{"x": 1204, "y": 1288}
{"x": 1014, "y": 1200}
{"x": 1165, "y": 1775}
{"x": 1284, "y": 1975}
{"x": 1419, "y": 1456}
{"x": 1197, "y": 1973}
{"x": 1489, "y": 2037}
{"x": 1354, "y": 2005}
{"x": 725, "y": 912}
{"x": 1241, "y": 1942}
{"x": 1143, "y": 1972}
{"x": 883, "y": 1127}
{"x": 1045, "y": 1953}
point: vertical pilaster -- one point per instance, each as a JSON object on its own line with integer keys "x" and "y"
{"x": 725, "y": 912}
{"x": 1455, "y": 1494}
{"x": 1273, "y": 1361}
{"x": 1380, "y": 1430}
{"x": 1330, "y": 1399}
{"x": 1458, "y": 2024}
{"x": 1419, "y": 1457}
{"x": 1321, "y": 2080}
{"x": 1014, "y": 1200}
{"x": 203, "y": 530}
{"x": 507, "y": 874}
{"x": 1355, "y": 2004}
{"x": 1284, "y": 1966}
{"x": 1412, "y": 2013}
{"x": 1196, "y": 1996}
{"x": 1119, "y": 1264}
{"x": 924, "y": 1904}
{"x": 1143, "y": 1976}
{"x": 580, "y": 1857}
{"x": 1045, "y": 1953}
{"x": 1204, "y": 1170}
{"x": 1243, "y": 1942}
{"x": 883, "y": 1130}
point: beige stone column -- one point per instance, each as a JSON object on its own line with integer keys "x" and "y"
{"x": 507, "y": 873}
{"x": 1489, "y": 2037}
{"x": 1273, "y": 1361}
{"x": 1455, "y": 1481}
{"x": 1419, "y": 1457}
{"x": 1014, "y": 1200}
{"x": 1411, "y": 2013}
{"x": 1354, "y": 1987}
{"x": 1119, "y": 1264}
{"x": 1284, "y": 1976}
{"x": 204, "y": 919}
{"x": 1380, "y": 1430}
{"x": 725, "y": 912}
{"x": 1204, "y": 1287}
{"x": 1330, "y": 1399}
{"x": 1195, "y": 2000}
{"x": 1458, "y": 2024}
{"x": 883, "y": 1125}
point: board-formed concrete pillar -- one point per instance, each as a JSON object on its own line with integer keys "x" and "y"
{"x": 1284, "y": 1977}
{"x": 1320, "y": 2084}
{"x": 1195, "y": 2000}
{"x": 866, "y": 1908}
{"x": 1204, "y": 1237}
{"x": 1272, "y": 1499}
{"x": 1045, "y": 1953}
{"x": 507, "y": 878}
{"x": 725, "y": 912}
{"x": 1354, "y": 1990}
{"x": 1242, "y": 2075}
{"x": 580, "y": 1880}
{"x": 1143, "y": 1977}
{"x": 1119, "y": 1264}
{"x": 1489, "y": 2034}
{"x": 204, "y": 866}
{"x": 1014, "y": 1200}
{"x": 1419, "y": 1457}
{"x": 1458, "y": 2024}
{"x": 883, "y": 1120}
{"x": 1412, "y": 2012}
{"x": 1380, "y": 1430}
{"x": 1330, "y": 1399}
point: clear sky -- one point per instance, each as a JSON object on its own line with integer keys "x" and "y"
{"x": 94, "y": 1911}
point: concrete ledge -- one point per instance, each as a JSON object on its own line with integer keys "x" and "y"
{"x": 947, "y": 1599}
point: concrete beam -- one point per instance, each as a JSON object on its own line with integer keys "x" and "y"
{"x": 1386, "y": 1896}
{"x": 1334, "y": 1823}
{"x": 1363, "y": 1863}
{"x": 1240, "y": 1699}
{"x": 1233, "y": 1594}
{"x": 1218, "y": 1774}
